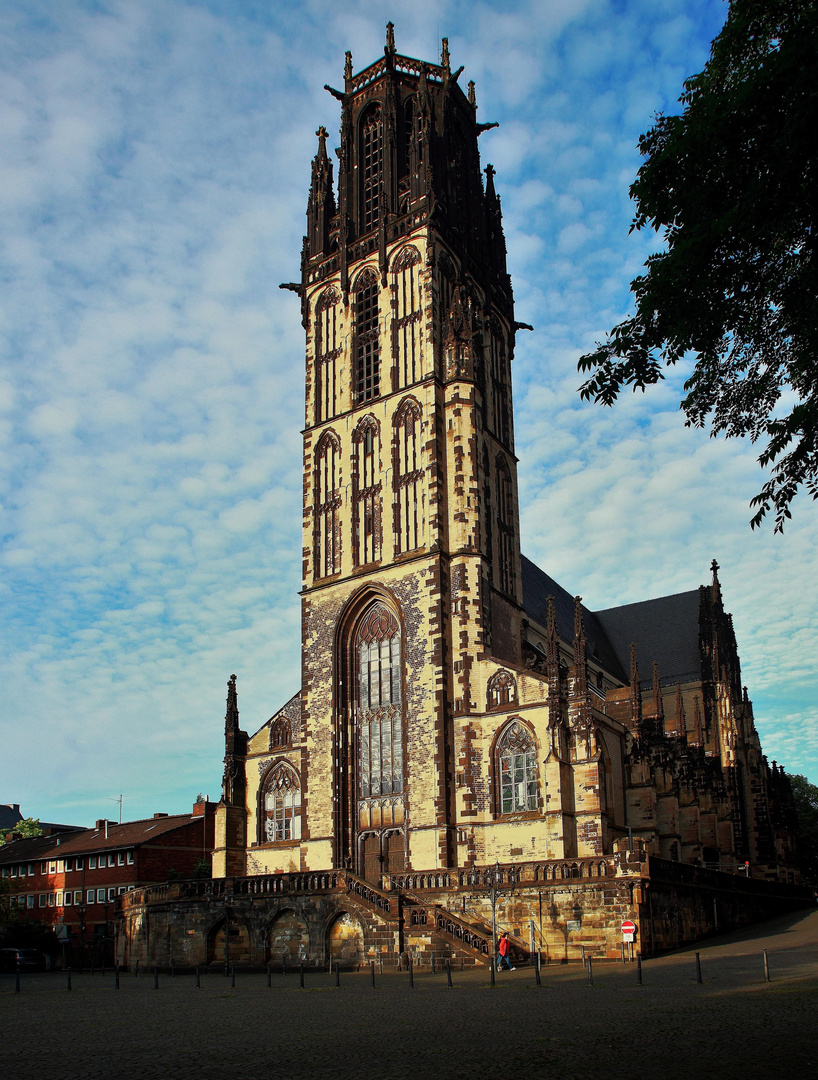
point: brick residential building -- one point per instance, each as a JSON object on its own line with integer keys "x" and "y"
{"x": 71, "y": 880}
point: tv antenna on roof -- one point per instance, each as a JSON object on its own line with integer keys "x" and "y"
{"x": 118, "y": 800}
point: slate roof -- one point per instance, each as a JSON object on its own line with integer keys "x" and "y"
{"x": 537, "y": 587}
{"x": 27, "y": 850}
{"x": 665, "y": 629}
{"x": 128, "y": 834}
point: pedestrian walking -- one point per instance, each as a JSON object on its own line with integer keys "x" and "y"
{"x": 502, "y": 949}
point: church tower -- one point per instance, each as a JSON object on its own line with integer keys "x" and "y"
{"x": 411, "y": 564}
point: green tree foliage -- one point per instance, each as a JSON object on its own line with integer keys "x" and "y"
{"x": 732, "y": 185}
{"x": 805, "y": 796}
{"x": 25, "y": 829}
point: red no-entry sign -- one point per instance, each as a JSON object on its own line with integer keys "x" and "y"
{"x": 628, "y": 927}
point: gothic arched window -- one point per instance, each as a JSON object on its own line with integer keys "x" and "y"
{"x": 327, "y": 505}
{"x": 408, "y": 316}
{"x": 516, "y": 770}
{"x": 281, "y": 804}
{"x": 407, "y": 472}
{"x": 500, "y": 423}
{"x": 326, "y": 354}
{"x": 371, "y": 166}
{"x": 379, "y": 728}
{"x": 281, "y": 733}
{"x": 502, "y": 690}
{"x": 367, "y": 343}
{"x": 505, "y": 527}
{"x": 366, "y": 488}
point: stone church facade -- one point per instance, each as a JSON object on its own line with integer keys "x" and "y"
{"x": 464, "y": 726}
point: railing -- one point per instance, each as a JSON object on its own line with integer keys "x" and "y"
{"x": 527, "y": 873}
{"x": 367, "y": 892}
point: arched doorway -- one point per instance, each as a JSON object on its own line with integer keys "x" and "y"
{"x": 288, "y": 941}
{"x": 345, "y": 941}
{"x": 238, "y": 943}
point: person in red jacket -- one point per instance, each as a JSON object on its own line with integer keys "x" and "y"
{"x": 503, "y": 948}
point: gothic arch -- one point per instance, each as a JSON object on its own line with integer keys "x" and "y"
{"x": 407, "y": 475}
{"x": 366, "y": 492}
{"x": 370, "y": 736}
{"x": 279, "y": 806}
{"x": 501, "y": 690}
{"x": 515, "y": 775}
{"x": 327, "y": 350}
{"x": 371, "y": 153}
{"x": 287, "y": 939}
{"x": 406, "y": 257}
{"x": 326, "y": 505}
{"x": 366, "y": 333}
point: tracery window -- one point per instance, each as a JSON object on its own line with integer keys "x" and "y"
{"x": 500, "y": 424}
{"x": 282, "y": 804}
{"x": 505, "y": 527}
{"x": 408, "y": 335}
{"x": 327, "y": 505}
{"x": 366, "y": 492}
{"x": 502, "y": 689}
{"x": 367, "y": 343}
{"x": 408, "y": 474}
{"x": 327, "y": 352}
{"x": 517, "y": 770}
{"x": 281, "y": 732}
{"x": 371, "y": 166}
{"x": 378, "y": 706}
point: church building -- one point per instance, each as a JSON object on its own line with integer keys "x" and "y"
{"x": 464, "y": 729}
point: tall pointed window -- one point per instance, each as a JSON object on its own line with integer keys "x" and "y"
{"x": 408, "y": 316}
{"x": 367, "y": 492}
{"x": 517, "y": 770}
{"x": 500, "y": 423}
{"x": 282, "y": 804}
{"x": 326, "y": 355}
{"x": 408, "y": 473}
{"x": 371, "y": 167}
{"x": 378, "y": 706}
{"x": 367, "y": 344}
{"x": 327, "y": 506}
{"x": 505, "y": 527}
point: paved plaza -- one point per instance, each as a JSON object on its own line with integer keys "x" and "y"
{"x": 733, "y": 1024}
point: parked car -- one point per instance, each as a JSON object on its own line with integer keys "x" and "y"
{"x": 24, "y": 959}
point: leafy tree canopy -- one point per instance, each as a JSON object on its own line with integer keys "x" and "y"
{"x": 732, "y": 185}
{"x": 26, "y": 828}
{"x": 805, "y": 797}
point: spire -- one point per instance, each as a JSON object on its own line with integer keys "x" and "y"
{"x": 347, "y": 65}
{"x": 321, "y": 202}
{"x": 390, "y": 37}
{"x": 580, "y": 667}
{"x": 636, "y": 692}
{"x": 445, "y": 63}
{"x": 658, "y": 705}
{"x": 231, "y": 717}
{"x": 681, "y": 719}
{"x": 472, "y": 95}
{"x": 716, "y": 585}
{"x": 697, "y": 736}
{"x": 552, "y": 649}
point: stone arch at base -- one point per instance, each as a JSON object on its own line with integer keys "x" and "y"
{"x": 345, "y": 941}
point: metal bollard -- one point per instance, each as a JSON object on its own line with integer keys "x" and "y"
{"x": 269, "y": 976}
{"x": 232, "y": 974}
{"x": 17, "y": 981}
{"x": 491, "y": 970}
{"x": 337, "y": 977}
{"x": 537, "y": 979}
{"x": 116, "y": 977}
{"x": 136, "y": 970}
{"x": 301, "y": 976}
{"x": 590, "y": 971}
{"x": 372, "y": 969}
{"x": 698, "y": 968}
{"x": 156, "y": 978}
{"x": 623, "y": 953}
{"x": 68, "y": 980}
{"x": 582, "y": 954}
{"x": 639, "y": 970}
{"x": 283, "y": 964}
{"x": 449, "y": 973}
{"x": 766, "y": 968}
{"x": 433, "y": 964}
{"x": 411, "y": 974}
{"x": 172, "y": 969}
{"x": 198, "y": 980}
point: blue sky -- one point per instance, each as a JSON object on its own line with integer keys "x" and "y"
{"x": 154, "y": 165}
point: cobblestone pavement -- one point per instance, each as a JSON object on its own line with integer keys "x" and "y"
{"x": 733, "y": 1024}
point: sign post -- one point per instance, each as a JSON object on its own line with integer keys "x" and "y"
{"x": 628, "y": 929}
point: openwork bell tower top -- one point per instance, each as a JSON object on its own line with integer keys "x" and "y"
{"x": 408, "y": 156}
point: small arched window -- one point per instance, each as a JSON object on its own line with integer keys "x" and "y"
{"x": 407, "y": 473}
{"x": 372, "y": 167}
{"x": 282, "y": 804}
{"x": 327, "y": 505}
{"x": 327, "y": 352}
{"x": 517, "y": 770}
{"x": 281, "y": 732}
{"x": 502, "y": 690}
{"x": 367, "y": 344}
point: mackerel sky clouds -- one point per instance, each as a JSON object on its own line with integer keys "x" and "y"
{"x": 154, "y": 166}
